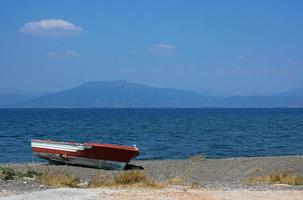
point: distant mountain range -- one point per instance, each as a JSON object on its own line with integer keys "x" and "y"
{"x": 13, "y": 99}
{"x": 123, "y": 94}
{"x": 208, "y": 92}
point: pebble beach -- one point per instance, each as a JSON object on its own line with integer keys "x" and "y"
{"x": 212, "y": 178}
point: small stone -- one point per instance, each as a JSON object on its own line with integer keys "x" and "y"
{"x": 84, "y": 184}
{"x": 24, "y": 182}
{"x": 281, "y": 185}
{"x": 41, "y": 186}
{"x": 28, "y": 178}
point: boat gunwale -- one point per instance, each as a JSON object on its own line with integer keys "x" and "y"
{"x": 89, "y": 144}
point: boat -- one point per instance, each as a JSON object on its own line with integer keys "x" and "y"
{"x": 102, "y": 156}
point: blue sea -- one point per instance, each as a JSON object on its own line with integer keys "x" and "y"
{"x": 159, "y": 133}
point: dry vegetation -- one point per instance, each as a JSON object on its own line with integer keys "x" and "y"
{"x": 175, "y": 181}
{"x": 179, "y": 181}
{"x": 130, "y": 177}
{"x": 97, "y": 183}
{"x": 7, "y": 173}
{"x": 58, "y": 180}
{"x": 279, "y": 178}
{"x": 194, "y": 185}
{"x": 197, "y": 157}
{"x": 124, "y": 178}
{"x": 135, "y": 178}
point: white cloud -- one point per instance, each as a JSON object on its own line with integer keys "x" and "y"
{"x": 165, "y": 46}
{"x": 162, "y": 49}
{"x": 67, "y": 53}
{"x": 70, "y": 53}
{"x": 51, "y": 27}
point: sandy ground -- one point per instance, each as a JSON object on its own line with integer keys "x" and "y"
{"x": 150, "y": 194}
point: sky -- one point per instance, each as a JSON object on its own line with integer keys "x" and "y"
{"x": 237, "y": 47}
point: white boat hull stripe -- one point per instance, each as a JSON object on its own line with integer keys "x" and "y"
{"x": 61, "y": 147}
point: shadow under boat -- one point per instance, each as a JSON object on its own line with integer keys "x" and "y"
{"x": 128, "y": 166}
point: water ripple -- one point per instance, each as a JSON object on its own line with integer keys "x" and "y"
{"x": 159, "y": 133}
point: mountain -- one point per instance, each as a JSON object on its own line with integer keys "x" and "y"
{"x": 123, "y": 94}
{"x": 117, "y": 94}
{"x": 289, "y": 99}
{"x": 208, "y": 92}
{"x": 13, "y": 99}
{"x": 295, "y": 93}
{"x": 292, "y": 97}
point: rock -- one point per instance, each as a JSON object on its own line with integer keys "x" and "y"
{"x": 84, "y": 184}
{"x": 281, "y": 185}
{"x": 28, "y": 178}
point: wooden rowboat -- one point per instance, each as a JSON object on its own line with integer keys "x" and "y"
{"x": 103, "y": 156}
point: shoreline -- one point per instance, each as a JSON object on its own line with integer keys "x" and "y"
{"x": 177, "y": 159}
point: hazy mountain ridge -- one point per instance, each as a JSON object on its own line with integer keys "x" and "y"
{"x": 123, "y": 94}
{"x": 11, "y": 99}
{"x": 117, "y": 94}
{"x": 208, "y": 92}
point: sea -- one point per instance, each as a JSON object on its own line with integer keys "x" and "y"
{"x": 158, "y": 133}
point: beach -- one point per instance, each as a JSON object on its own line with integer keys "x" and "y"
{"x": 193, "y": 178}
{"x": 151, "y": 100}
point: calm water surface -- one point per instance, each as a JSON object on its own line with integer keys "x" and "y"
{"x": 159, "y": 133}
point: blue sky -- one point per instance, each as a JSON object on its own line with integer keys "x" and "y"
{"x": 238, "y": 47}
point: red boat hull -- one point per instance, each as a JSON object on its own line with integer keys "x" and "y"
{"x": 61, "y": 151}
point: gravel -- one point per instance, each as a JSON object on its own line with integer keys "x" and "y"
{"x": 213, "y": 174}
